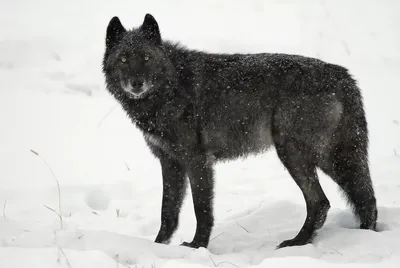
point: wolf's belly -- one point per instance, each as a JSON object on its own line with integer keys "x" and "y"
{"x": 237, "y": 141}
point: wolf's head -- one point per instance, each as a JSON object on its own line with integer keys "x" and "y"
{"x": 135, "y": 63}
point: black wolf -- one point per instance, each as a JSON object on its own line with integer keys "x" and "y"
{"x": 196, "y": 108}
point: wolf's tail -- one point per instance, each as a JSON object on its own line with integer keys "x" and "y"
{"x": 349, "y": 156}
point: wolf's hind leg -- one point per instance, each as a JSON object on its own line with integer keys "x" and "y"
{"x": 297, "y": 160}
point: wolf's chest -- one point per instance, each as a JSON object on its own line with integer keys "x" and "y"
{"x": 156, "y": 141}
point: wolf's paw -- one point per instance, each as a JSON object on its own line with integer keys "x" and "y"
{"x": 161, "y": 240}
{"x": 293, "y": 242}
{"x": 190, "y": 245}
{"x": 368, "y": 226}
{"x": 193, "y": 245}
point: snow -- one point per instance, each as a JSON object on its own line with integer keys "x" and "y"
{"x": 97, "y": 199}
{"x": 53, "y": 101}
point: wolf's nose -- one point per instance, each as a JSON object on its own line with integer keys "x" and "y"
{"x": 137, "y": 84}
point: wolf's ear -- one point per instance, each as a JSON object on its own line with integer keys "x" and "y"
{"x": 150, "y": 30}
{"x": 115, "y": 32}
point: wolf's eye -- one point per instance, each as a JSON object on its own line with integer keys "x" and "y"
{"x": 146, "y": 58}
{"x": 123, "y": 59}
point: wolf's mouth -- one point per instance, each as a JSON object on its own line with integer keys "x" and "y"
{"x": 136, "y": 92}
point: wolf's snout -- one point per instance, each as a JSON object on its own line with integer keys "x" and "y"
{"x": 137, "y": 85}
{"x": 136, "y": 88}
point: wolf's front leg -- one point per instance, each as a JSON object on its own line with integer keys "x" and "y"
{"x": 174, "y": 188}
{"x": 202, "y": 184}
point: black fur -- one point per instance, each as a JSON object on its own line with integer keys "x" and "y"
{"x": 196, "y": 108}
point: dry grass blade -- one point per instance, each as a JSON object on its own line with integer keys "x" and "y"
{"x": 127, "y": 167}
{"x": 106, "y": 115}
{"x": 65, "y": 257}
{"x": 59, "y": 216}
{"x": 217, "y": 236}
{"x": 335, "y": 250}
{"x": 222, "y": 262}
{"x": 215, "y": 265}
{"x": 242, "y": 227}
{"x": 58, "y": 186}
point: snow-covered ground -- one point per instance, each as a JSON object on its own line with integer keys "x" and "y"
{"x": 53, "y": 101}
